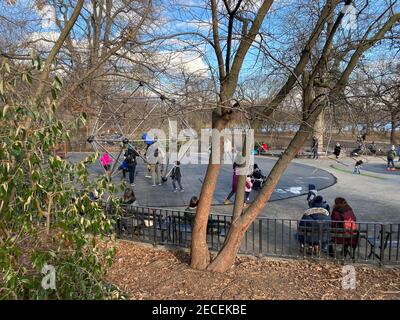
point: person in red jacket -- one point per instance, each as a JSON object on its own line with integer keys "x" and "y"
{"x": 344, "y": 219}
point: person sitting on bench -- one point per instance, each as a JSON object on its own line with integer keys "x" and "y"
{"x": 314, "y": 229}
{"x": 344, "y": 219}
{"x": 319, "y": 202}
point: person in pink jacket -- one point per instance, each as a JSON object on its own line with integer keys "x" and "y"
{"x": 247, "y": 189}
{"x": 106, "y": 162}
{"x": 235, "y": 179}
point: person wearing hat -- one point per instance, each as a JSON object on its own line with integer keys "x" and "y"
{"x": 313, "y": 230}
{"x": 319, "y": 202}
{"x": 312, "y": 194}
{"x": 130, "y": 160}
{"x": 337, "y": 150}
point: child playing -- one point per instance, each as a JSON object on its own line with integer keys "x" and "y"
{"x": 176, "y": 176}
{"x": 247, "y": 189}
{"x": 106, "y": 163}
{"x": 124, "y": 168}
{"x": 357, "y": 167}
{"x": 391, "y": 154}
{"x": 312, "y": 194}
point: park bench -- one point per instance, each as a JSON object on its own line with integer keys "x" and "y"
{"x": 144, "y": 224}
{"x": 136, "y": 222}
{"x": 174, "y": 226}
{"x": 182, "y": 226}
{"x": 332, "y": 237}
{"x": 380, "y": 243}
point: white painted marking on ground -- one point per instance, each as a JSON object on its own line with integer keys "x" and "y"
{"x": 295, "y": 190}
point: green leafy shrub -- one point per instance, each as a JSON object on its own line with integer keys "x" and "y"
{"x": 46, "y": 214}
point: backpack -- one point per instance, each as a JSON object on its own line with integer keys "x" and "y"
{"x": 349, "y": 224}
{"x": 130, "y": 158}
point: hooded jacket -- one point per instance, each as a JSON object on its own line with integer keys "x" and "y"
{"x": 320, "y": 204}
{"x": 314, "y": 227}
{"x": 105, "y": 159}
{"x": 344, "y": 218}
{"x": 312, "y": 193}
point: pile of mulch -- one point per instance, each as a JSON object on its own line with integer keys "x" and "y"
{"x": 145, "y": 272}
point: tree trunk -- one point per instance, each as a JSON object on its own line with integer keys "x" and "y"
{"x": 56, "y": 48}
{"x": 200, "y": 257}
{"x": 319, "y": 129}
{"x": 393, "y": 138}
{"x": 227, "y": 255}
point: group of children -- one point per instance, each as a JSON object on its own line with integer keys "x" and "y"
{"x": 129, "y": 163}
{"x": 254, "y": 180}
{"x": 390, "y": 155}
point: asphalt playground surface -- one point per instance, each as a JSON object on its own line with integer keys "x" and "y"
{"x": 293, "y": 183}
{"x": 374, "y": 195}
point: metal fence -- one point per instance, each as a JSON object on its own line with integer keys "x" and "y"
{"x": 363, "y": 242}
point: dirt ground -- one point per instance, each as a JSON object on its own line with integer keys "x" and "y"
{"x": 145, "y": 272}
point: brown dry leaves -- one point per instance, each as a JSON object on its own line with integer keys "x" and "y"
{"x": 149, "y": 273}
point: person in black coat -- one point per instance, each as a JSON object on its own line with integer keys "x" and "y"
{"x": 337, "y": 150}
{"x": 319, "y": 202}
{"x": 314, "y": 228}
{"x": 130, "y": 160}
{"x": 176, "y": 177}
{"x": 314, "y": 147}
{"x": 257, "y": 177}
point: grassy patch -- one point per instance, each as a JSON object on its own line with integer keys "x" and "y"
{"x": 362, "y": 174}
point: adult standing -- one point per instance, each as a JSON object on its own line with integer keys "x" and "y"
{"x": 131, "y": 162}
{"x": 337, "y": 150}
{"x": 176, "y": 176}
{"x": 315, "y": 147}
{"x": 155, "y": 166}
{"x": 257, "y": 177}
{"x": 235, "y": 180}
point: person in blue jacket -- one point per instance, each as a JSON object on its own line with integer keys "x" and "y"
{"x": 314, "y": 229}
{"x": 124, "y": 168}
{"x": 319, "y": 202}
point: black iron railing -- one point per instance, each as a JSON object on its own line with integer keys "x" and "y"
{"x": 361, "y": 242}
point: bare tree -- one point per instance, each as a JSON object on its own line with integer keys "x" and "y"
{"x": 317, "y": 93}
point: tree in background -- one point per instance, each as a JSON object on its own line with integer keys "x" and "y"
{"x": 320, "y": 81}
{"x": 47, "y": 216}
